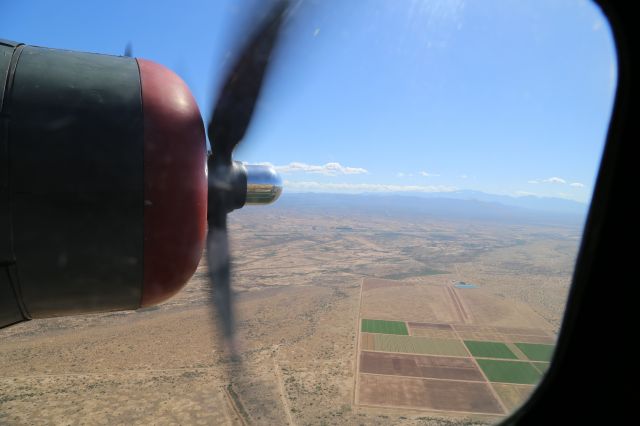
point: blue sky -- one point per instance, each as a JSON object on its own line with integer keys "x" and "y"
{"x": 503, "y": 97}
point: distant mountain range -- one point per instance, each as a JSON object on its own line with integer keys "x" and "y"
{"x": 460, "y": 205}
{"x": 546, "y": 204}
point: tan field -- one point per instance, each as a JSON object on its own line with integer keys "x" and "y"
{"x": 512, "y": 395}
{"x": 448, "y": 333}
{"x": 299, "y": 276}
{"x": 412, "y": 345}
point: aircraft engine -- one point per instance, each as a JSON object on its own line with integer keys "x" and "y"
{"x": 103, "y": 183}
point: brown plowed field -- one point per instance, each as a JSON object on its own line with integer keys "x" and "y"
{"x": 367, "y": 341}
{"x": 393, "y": 391}
{"x": 420, "y": 366}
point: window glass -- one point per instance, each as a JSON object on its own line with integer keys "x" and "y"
{"x": 438, "y": 159}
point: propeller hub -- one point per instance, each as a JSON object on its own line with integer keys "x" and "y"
{"x": 264, "y": 184}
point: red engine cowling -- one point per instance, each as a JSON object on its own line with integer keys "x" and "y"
{"x": 175, "y": 183}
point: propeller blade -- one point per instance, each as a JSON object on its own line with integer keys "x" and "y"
{"x": 229, "y": 122}
{"x": 220, "y": 274}
{"x": 128, "y": 50}
{"x": 234, "y": 108}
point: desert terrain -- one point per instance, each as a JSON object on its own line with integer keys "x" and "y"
{"x": 300, "y": 272}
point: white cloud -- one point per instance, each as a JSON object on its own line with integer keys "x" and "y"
{"x": 596, "y": 25}
{"x": 329, "y": 169}
{"x": 463, "y": 176}
{"x": 422, "y": 173}
{"x": 577, "y": 185}
{"x": 525, "y": 193}
{"x": 554, "y": 180}
{"x": 363, "y": 187}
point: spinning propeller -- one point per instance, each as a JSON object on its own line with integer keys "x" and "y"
{"x": 231, "y": 184}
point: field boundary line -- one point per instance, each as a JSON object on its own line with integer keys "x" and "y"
{"x": 457, "y": 305}
{"x": 516, "y": 351}
{"x": 493, "y": 391}
{"x": 412, "y": 353}
{"x": 467, "y": 312}
{"x": 515, "y": 384}
{"x": 543, "y": 373}
{"x": 356, "y": 363}
{"x": 453, "y": 356}
{"x": 240, "y": 411}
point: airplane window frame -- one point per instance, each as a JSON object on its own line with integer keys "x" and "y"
{"x": 567, "y": 388}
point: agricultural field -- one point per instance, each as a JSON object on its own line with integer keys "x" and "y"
{"x": 469, "y": 362}
{"x": 541, "y": 366}
{"x": 442, "y": 331}
{"x": 536, "y": 352}
{"x": 437, "y": 395}
{"x": 386, "y": 327}
{"x": 434, "y": 367}
{"x": 512, "y": 395}
{"x": 489, "y": 349}
{"x": 413, "y": 345}
{"x": 510, "y": 371}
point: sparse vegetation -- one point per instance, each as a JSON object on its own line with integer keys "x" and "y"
{"x": 298, "y": 291}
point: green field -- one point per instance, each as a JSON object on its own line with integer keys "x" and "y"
{"x": 384, "y": 327}
{"x": 418, "y": 345}
{"x": 536, "y": 351}
{"x": 489, "y": 349}
{"x": 509, "y": 371}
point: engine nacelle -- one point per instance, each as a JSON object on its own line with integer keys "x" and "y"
{"x": 103, "y": 186}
